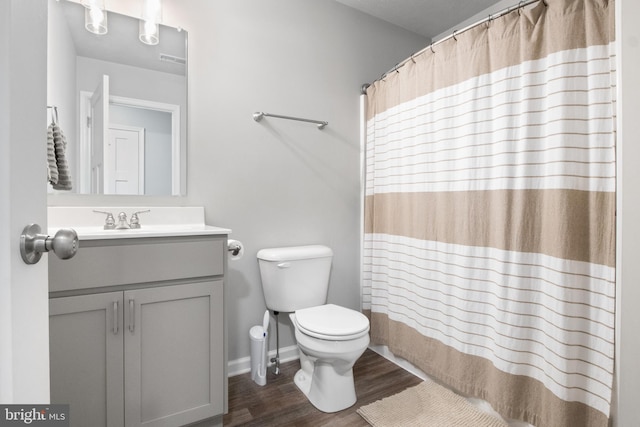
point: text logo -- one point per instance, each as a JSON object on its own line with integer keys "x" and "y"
{"x": 34, "y": 415}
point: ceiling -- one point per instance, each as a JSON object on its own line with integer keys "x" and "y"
{"x": 428, "y": 18}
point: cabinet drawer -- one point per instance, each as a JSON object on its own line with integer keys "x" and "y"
{"x": 101, "y": 263}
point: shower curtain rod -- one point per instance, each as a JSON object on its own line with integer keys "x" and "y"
{"x": 455, "y": 33}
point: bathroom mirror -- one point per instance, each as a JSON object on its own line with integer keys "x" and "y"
{"x": 121, "y": 104}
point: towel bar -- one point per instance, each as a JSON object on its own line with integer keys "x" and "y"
{"x": 259, "y": 115}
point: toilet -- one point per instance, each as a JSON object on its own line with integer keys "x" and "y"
{"x": 330, "y": 338}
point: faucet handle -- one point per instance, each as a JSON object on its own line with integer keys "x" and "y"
{"x": 135, "y": 221}
{"x": 109, "y": 222}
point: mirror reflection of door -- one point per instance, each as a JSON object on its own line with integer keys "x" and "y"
{"x": 97, "y": 123}
{"x": 159, "y": 162}
{"x": 157, "y": 159}
{"x": 124, "y": 160}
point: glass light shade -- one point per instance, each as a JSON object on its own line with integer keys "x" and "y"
{"x": 151, "y": 16}
{"x": 149, "y": 32}
{"x": 95, "y": 17}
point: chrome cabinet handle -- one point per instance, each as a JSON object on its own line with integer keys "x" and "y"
{"x": 132, "y": 312}
{"x": 33, "y": 244}
{"x": 115, "y": 318}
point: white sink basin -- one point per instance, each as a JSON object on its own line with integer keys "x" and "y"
{"x": 159, "y": 222}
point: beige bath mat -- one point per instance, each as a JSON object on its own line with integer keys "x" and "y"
{"x": 427, "y": 405}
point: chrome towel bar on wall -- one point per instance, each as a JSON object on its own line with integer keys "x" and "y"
{"x": 259, "y": 115}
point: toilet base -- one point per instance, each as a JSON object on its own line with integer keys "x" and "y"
{"x": 303, "y": 380}
{"x": 327, "y": 390}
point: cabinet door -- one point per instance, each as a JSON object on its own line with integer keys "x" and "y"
{"x": 86, "y": 358}
{"x": 174, "y": 354}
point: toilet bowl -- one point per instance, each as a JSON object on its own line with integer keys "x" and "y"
{"x": 330, "y": 338}
{"x": 327, "y": 354}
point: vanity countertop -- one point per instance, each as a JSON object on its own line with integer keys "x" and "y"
{"x": 98, "y": 233}
{"x": 158, "y": 222}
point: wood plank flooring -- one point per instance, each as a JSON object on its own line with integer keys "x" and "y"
{"x": 280, "y": 403}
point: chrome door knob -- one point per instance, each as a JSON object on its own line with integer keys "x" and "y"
{"x": 32, "y": 243}
{"x": 64, "y": 243}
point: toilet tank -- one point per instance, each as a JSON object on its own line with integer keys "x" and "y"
{"x": 295, "y": 277}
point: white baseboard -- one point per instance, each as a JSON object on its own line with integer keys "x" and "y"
{"x": 287, "y": 354}
{"x": 243, "y": 365}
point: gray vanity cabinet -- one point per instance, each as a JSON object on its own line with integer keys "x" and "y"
{"x": 86, "y": 357}
{"x": 147, "y": 353}
{"x": 168, "y": 348}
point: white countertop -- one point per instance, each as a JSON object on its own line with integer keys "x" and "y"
{"x": 98, "y": 233}
{"x": 159, "y": 222}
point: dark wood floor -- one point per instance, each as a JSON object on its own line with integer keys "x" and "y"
{"x": 280, "y": 403}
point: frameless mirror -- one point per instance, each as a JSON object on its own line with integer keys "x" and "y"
{"x": 121, "y": 104}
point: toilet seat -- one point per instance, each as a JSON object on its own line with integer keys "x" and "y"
{"x": 332, "y": 322}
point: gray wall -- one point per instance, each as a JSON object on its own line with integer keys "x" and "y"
{"x": 130, "y": 82}
{"x": 276, "y": 182}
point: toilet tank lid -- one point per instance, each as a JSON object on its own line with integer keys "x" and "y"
{"x": 293, "y": 253}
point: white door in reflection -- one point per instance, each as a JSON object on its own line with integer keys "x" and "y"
{"x": 124, "y": 160}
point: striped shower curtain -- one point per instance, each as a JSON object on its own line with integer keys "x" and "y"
{"x": 489, "y": 252}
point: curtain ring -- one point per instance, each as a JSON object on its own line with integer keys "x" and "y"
{"x": 431, "y": 47}
{"x": 489, "y": 20}
{"x": 454, "y": 35}
{"x": 520, "y": 8}
{"x": 413, "y": 60}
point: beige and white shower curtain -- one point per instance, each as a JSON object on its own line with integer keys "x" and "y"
{"x": 489, "y": 248}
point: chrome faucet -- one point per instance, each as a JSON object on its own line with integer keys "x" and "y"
{"x": 110, "y": 223}
{"x": 122, "y": 221}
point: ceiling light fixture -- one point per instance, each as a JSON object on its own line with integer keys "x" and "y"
{"x": 95, "y": 16}
{"x": 151, "y": 17}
